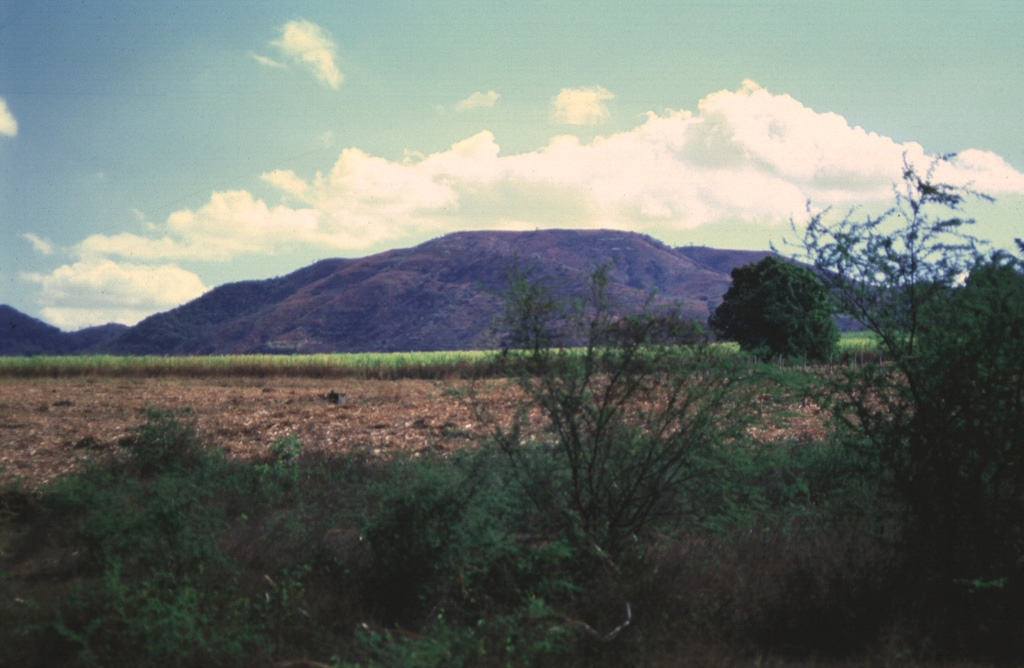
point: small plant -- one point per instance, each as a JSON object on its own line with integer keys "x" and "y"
{"x": 164, "y": 443}
{"x": 286, "y": 449}
{"x": 282, "y": 605}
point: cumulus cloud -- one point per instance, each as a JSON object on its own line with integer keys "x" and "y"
{"x": 983, "y": 171}
{"x": 742, "y": 158}
{"x": 287, "y": 181}
{"x": 744, "y": 155}
{"x": 97, "y": 291}
{"x": 8, "y": 124}
{"x": 232, "y": 223}
{"x": 309, "y": 45}
{"x": 582, "y": 106}
{"x": 478, "y": 100}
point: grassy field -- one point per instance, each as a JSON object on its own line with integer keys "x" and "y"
{"x": 327, "y": 365}
{"x": 380, "y": 366}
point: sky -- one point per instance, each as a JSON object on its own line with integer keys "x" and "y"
{"x": 150, "y": 151}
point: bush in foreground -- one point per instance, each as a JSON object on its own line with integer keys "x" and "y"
{"x": 630, "y": 410}
{"x": 942, "y": 418}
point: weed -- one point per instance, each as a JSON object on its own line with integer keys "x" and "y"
{"x": 164, "y": 442}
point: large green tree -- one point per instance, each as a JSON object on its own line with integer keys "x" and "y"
{"x": 778, "y": 307}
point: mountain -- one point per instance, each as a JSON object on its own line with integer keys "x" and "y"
{"x": 445, "y": 294}
{"x": 94, "y": 339}
{"x": 21, "y": 334}
{"x": 24, "y": 335}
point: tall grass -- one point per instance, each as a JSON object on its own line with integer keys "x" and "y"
{"x": 380, "y": 366}
{"x": 865, "y": 340}
{"x": 430, "y": 365}
{"x": 855, "y": 347}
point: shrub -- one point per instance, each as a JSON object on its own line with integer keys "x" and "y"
{"x": 463, "y": 567}
{"x": 942, "y": 417}
{"x": 161, "y": 591}
{"x": 961, "y": 459}
{"x": 628, "y": 413}
{"x": 414, "y": 535}
{"x": 164, "y": 443}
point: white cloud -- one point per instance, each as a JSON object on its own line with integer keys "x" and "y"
{"x": 8, "y": 124}
{"x": 983, "y": 171}
{"x": 478, "y": 100}
{"x": 267, "y": 61}
{"x": 41, "y": 246}
{"x": 582, "y": 106}
{"x": 144, "y": 249}
{"x": 777, "y": 134}
{"x": 326, "y": 139}
{"x": 744, "y": 160}
{"x": 232, "y": 223}
{"x": 98, "y": 291}
{"x": 286, "y": 180}
{"x": 744, "y": 155}
{"x": 309, "y": 45}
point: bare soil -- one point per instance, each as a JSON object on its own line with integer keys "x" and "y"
{"x": 51, "y": 427}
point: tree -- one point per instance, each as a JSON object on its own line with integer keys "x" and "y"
{"x": 777, "y": 307}
{"x": 943, "y": 418}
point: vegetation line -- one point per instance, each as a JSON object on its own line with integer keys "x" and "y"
{"x": 377, "y": 366}
{"x": 329, "y": 365}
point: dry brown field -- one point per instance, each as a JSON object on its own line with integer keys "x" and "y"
{"x": 50, "y": 427}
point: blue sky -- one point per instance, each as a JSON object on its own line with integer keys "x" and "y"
{"x": 150, "y": 151}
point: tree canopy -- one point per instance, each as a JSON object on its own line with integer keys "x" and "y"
{"x": 778, "y": 307}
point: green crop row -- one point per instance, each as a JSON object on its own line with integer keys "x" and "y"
{"x": 390, "y": 365}
{"x": 444, "y": 364}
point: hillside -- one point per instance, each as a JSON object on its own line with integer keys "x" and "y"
{"x": 445, "y": 294}
{"x": 25, "y": 335}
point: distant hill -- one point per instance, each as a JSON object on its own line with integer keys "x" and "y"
{"x": 21, "y": 334}
{"x": 445, "y": 294}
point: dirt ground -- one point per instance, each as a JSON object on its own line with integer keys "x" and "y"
{"x": 50, "y": 427}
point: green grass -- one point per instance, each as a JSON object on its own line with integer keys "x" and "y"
{"x": 863, "y": 339}
{"x": 386, "y": 366}
{"x": 444, "y": 364}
